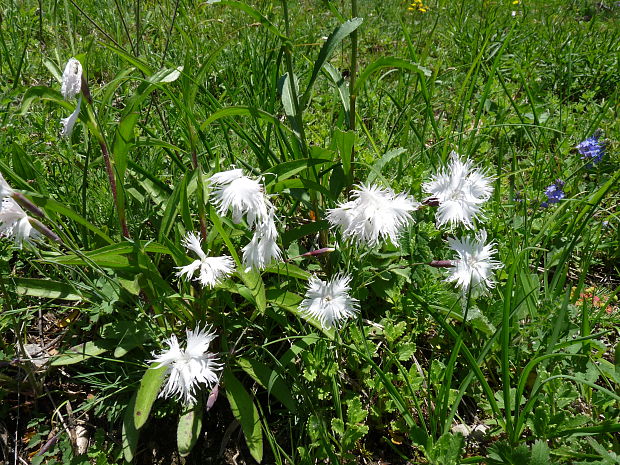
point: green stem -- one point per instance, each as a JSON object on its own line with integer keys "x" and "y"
{"x": 352, "y": 94}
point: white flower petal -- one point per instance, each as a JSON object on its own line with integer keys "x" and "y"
{"x": 474, "y": 266}
{"x": 375, "y": 214}
{"x": 188, "y": 369}
{"x": 329, "y": 302}
{"x": 69, "y": 122}
{"x": 460, "y": 190}
{"x": 71, "y": 79}
{"x": 15, "y": 224}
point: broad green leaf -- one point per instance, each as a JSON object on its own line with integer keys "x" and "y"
{"x": 540, "y": 453}
{"x": 269, "y": 379}
{"x": 286, "y": 91}
{"x": 110, "y": 256}
{"x": 244, "y": 111}
{"x": 147, "y": 393}
{"x": 245, "y": 412}
{"x": 298, "y": 346}
{"x": 188, "y": 431}
{"x": 254, "y": 282}
{"x": 172, "y": 207}
{"x": 290, "y": 301}
{"x": 344, "y": 142}
{"x": 342, "y": 86}
{"x": 377, "y": 167}
{"x": 388, "y": 62}
{"x": 328, "y": 48}
{"x": 82, "y": 352}
{"x": 129, "y": 433}
{"x": 288, "y": 269}
{"x": 45, "y": 288}
{"x": 300, "y": 184}
{"x": 43, "y": 93}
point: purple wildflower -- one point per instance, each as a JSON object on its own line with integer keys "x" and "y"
{"x": 554, "y": 193}
{"x": 591, "y": 148}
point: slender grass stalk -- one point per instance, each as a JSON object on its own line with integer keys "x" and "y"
{"x": 352, "y": 94}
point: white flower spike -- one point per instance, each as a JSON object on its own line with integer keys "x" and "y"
{"x": 375, "y": 214}
{"x": 15, "y": 223}
{"x": 188, "y": 369}
{"x": 71, "y": 79}
{"x": 243, "y": 195}
{"x": 329, "y": 302}
{"x": 69, "y": 122}
{"x": 461, "y": 190}
{"x": 474, "y": 266}
{"x": 211, "y": 270}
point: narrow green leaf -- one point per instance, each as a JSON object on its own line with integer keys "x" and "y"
{"x": 270, "y": 380}
{"x": 304, "y": 230}
{"x": 43, "y": 93}
{"x": 290, "y": 301}
{"x": 290, "y": 168}
{"x": 343, "y": 141}
{"x": 188, "y": 431}
{"x": 245, "y": 412}
{"x": 129, "y": 434}
{"x": 342, "y": 86}
{"x": 328, "y": 48}
{"x": 82, "y": 352}
{"x": 377, "y": 167}
{"x": 147, "y": 393}
{"x": 254, "y": 282}
{"x": 45, "y": 288}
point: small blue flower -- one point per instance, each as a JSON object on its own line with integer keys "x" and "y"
{"x": 554, "y": 193}
{"x": 591, "y": 148}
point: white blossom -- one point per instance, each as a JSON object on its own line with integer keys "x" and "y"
{"x": 461, "y": 190}
{"x": 211, "y": 270}
{"x": 474, "y": 266}
{"x": 71, "y": 79}
{"x": 188, "y": 369}
{"x": 243, "y": 195}
{"x": 5, "y": 189}
{"x": 375, "y": 213}
{"x": 69, "y": 122}
{"x": 263, "y": 248}
{"x": 15, "y": 223}
{"x": 329, "y": 302}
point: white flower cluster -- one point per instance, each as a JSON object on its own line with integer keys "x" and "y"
{"x": 232, "y": 190}
{"x": 461, "y": 189}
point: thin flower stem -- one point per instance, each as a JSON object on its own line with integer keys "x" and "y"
{"x": 112, "y": 179}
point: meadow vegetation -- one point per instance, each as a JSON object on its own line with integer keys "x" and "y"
{"x": 350, "y": 320}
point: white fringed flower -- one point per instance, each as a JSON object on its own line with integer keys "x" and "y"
{"x": 461, "y": 190}
{"x": 329, "y": 302}
{"x": 243, "y": 195}
{"x": 263, "y": 248}
{"x": 69, "y": 122}
{"x": 5, "y": 189}
{"x": 211, "y": 270}
{"x": 188, "y": 369}
{"x": 474, "y": 265}
{"x": 15, "y": 224}
{"x": 375, "y": 213}
{"x": 71, "y": 79}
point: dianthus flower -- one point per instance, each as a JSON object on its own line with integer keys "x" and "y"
{"x": 69, "y": 122}
{"x": 71, "y": 79}
{"x": 474, "y": 265}
{"x": 187, "y": 369}
{"x": 375, "y": 213}
{"x": 460, "y": 190}
{"x": 329, "y": 302}
{"x": 263, "y": 248}
{"x": 15, "y": 223}
{"x": 211, "y": 270}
